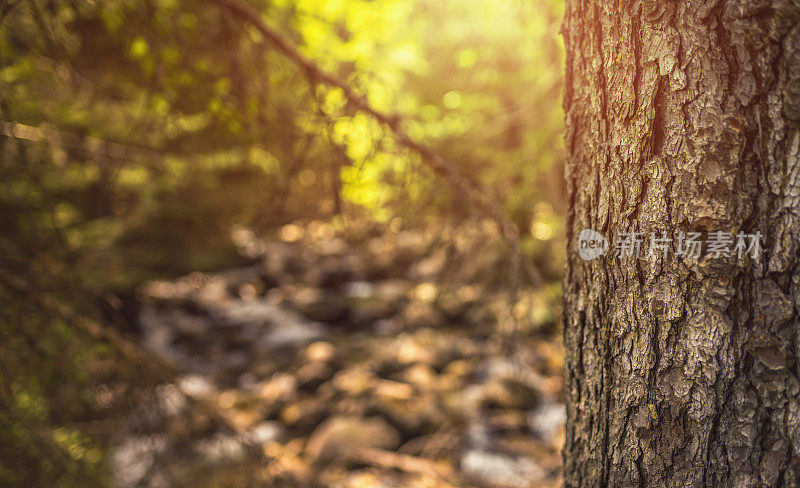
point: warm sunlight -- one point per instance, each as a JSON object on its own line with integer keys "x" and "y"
{"x": 399, "y": 243}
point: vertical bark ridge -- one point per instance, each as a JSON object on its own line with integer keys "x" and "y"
{"x": 683, "y": 115}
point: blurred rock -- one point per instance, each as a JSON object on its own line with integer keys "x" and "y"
{"x": 431, "y": 266}
{"x": 370, "y": 309}
{"x": 327, "y": 272}
{"x": 418, "y": 314}
{"x": 311, "y": 375}
{"x": 220, "y": 449}
{"x": 303, "y": 415}
{"x": 354, "y": 381}
{"x": 500, "y": 470}
{"x": 190, "y": 325}
{"x": 412, "y": 243}
{"x": 393, "y": 390}
{"x": 157, "y": 337}
{"x": 280, "y": 388}
{"x": 196, "y": 386}
{"x": 292, "y": 334}
{"x": 320, "y": 351}
{"x": 246, "y": 242}
{"x": 339, "y": 438}
{"x": 388, "y": 326}
{"x": 425, "y": 292}
{"x": 393, "y": 289}
{"x": 331, "y": 247}
{"x": 132, "y": 460}
{"x": 171, "y": 401}
{"x": 509, "y": 393}
{"x": 267, "y": 431}
{"x": 235, "y": 360}
{"x": 420, "y": 375}
{"x": 359, "y": 289}
{"x": 547, "y": 421}
{"x": 459, "y": 368}
{"x": 410, "y": 349}
{"x": 316, "y": 303}
{"x": 257, "y": 312}
{"x": 276, "y": 262}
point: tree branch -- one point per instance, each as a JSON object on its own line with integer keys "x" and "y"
{"x": 476, "y": 193}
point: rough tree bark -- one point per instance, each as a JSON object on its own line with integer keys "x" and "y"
{"x": 683, "y": 115}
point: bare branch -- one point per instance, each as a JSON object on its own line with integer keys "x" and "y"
{"x": 94, "y": 145}
{"x": 476, "y": 193}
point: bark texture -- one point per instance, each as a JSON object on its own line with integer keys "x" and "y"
{"x": 683, "y": 115}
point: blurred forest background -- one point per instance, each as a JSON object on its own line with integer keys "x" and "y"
{"x": 175, "y": 186}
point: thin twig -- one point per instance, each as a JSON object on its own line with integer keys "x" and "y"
{"x": 476, "y": 193}
{"x": 7, "y": 8}
{"x": 94, "y": 145}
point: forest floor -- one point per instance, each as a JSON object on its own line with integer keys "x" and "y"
{"x": 372, "y": 361}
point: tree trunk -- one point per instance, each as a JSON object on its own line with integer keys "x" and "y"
{"x": 682, "y": 116}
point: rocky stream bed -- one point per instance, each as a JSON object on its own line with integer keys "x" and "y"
{"x": 328, "y": 362}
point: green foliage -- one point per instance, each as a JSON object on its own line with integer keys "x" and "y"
{"x": 44, "y": 384}
{"x": 137, "y": 134}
